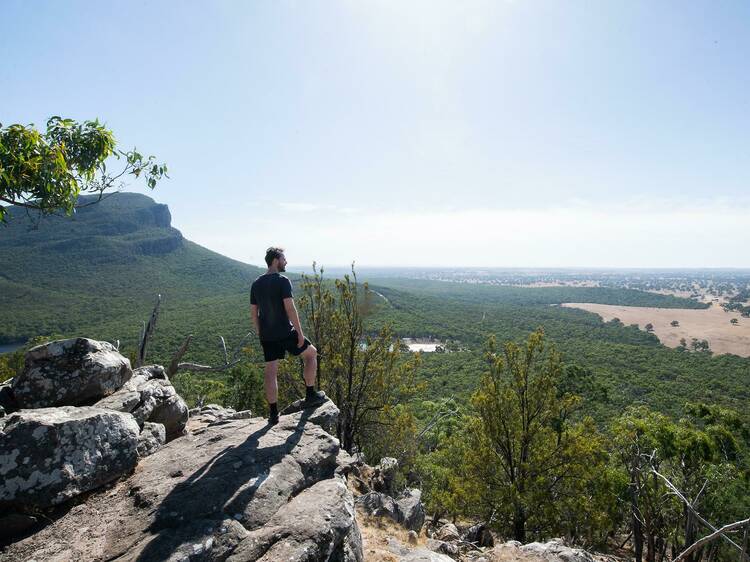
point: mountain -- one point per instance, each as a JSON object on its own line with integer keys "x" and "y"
{"x": 98, "y": 272}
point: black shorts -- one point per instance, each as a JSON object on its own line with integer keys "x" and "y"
{"x": 273, "y": 350}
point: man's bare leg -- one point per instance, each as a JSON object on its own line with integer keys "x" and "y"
{"x": 310, "y": 361}
{"x": 271, "y": 387}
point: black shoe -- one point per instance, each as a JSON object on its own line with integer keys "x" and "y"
{"x": 314, "y": 399}
{"x": 273, "y": 420}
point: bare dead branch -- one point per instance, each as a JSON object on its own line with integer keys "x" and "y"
{"x": 197, "y": 367}
{"x": 224, "y": 349}
{"x": 698, "y": 517}
{"x": 713, "y": 536}
{"x": 174, "y": 364}
{"x": 148, "y": 331}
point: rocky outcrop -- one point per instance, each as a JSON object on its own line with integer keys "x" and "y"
{"x": 369, "y": 482}
{"x": 70, "y": 372}
{"x": 50, "y": 455}
{"x": 149, "y": 396}
{"x": 241, "y": 488}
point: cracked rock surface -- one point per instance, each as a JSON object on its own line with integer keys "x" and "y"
{"x": 220, "y": 491}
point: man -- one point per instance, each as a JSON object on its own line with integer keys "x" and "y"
{"x": 277, "y": 324}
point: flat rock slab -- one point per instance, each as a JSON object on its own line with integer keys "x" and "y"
{"x": 197, "y": 497}
{"x": 71, "y": 372}
{"x": 50, "y": 455}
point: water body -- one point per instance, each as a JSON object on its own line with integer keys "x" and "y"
{"x": 8, "y": 347}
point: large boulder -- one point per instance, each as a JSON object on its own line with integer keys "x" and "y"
{"x": 70, "y": 372}
{"x": 410, "y": 509}
{"x": 150, "y": 397}
{"x": 318, "y": 524}
{"x": 50, "y": 455}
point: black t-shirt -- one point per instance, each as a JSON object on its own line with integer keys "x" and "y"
{"x": 268, "y": 292}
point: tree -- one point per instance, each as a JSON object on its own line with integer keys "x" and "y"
{"x": 649, "y": 327}
{"x": 363, "y": 372}
{"x": 536, "y": 465}
{"x": 734, "y": 321}
{"x": 674, "y": 323}
{"x": 46, "y": 172}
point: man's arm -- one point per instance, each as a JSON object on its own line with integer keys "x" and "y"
{"x": 291, "y": 312}
{"x": 254, "y": 316}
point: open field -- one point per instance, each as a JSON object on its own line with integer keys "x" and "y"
{"x": 712, "y": 324}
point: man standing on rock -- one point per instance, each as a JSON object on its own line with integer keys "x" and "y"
{"x": 277, "y": 324}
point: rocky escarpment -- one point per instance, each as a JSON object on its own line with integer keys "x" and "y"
{"x": 228, "y": 486}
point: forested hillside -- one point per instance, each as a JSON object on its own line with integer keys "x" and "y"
{"x": 98, "y": 273}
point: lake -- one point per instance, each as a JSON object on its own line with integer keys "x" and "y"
{"x": 8, "y": 347}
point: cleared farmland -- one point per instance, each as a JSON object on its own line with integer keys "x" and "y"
{"x": 712, "y": 324}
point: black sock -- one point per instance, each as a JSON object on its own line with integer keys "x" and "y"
{"x": 310, "y": 391}
{"x": 274, "y": 410}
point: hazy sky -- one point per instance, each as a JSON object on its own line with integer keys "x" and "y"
{"x": 504, "y": 133}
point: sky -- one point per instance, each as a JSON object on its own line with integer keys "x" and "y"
{"x": 506, "y": 133}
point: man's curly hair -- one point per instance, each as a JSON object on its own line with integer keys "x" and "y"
{"x": 272, "y": 253}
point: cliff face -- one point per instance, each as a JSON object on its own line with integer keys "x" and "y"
{"x": 122, "y": 222}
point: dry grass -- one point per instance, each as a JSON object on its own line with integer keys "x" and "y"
{"x": 375, "y": 533}
{"x": 712, "y": 324}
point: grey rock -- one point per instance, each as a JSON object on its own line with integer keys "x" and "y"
{"x": 182, "y": 496}
{"x": 50, "y": 455}
{"x": 379, "y": 505}
{"x": 556, "y": 551}
{"x": 152, "y": 437}
{"x": 448, "y": 532}
{"x": 149, "y": 396}
{"x": 411, "y": 510}
{"x": 386, "y": 475}
{"x": 443, "y": 547}
{"x": 318, "y": 524}
{"x": 326, "y": 415}
{"x": 70, "y": 373}
{"x": 480, "y": 535}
